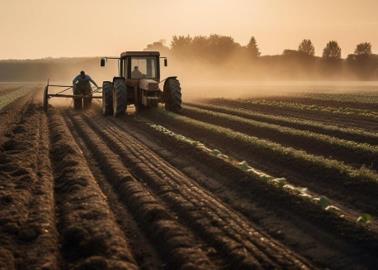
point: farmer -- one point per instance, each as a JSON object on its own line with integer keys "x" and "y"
{"x": 83, "y": 79}
{"x": 136, "y": 74}
{"x": 82, "y": 90}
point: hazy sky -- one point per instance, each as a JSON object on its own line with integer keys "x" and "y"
{"x": 41, "y": 28}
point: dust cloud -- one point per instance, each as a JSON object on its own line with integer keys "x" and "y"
{"x": 232, "y": 77}
{"x": 236, "y": 79}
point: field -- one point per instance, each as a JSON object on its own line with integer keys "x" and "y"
{"x": 284, "y": 182}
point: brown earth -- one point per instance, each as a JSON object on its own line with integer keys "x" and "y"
{"x": 83, "y": 191}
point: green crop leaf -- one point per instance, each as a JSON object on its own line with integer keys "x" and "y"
{"x": 365, "y": 218}
{"x": 324, "y": 202}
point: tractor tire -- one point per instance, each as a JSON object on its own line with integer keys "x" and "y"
{"x": 119, "y": 96}
{"x": 139, "y": 107}
{"x": 172, "y": 95}
{"x": 107, "y": 98}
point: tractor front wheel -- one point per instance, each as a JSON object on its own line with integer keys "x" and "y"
{"x": 172, "y": 95}
{"x": 107, "y": 98}
{"x": 119, "y": 96}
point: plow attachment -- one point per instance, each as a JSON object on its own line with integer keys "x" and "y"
{"x": 63, "y": 94}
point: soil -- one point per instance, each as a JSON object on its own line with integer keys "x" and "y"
{"x": 83, "y": 191}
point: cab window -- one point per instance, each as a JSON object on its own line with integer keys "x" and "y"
{"x": 143, "y": 68}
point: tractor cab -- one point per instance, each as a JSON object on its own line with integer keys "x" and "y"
{"x": 138, "y": 84}
{"x": 134, "y": 65}
{"x": 137, "y": 65}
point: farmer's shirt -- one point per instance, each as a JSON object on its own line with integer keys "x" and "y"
{"x": 81, "y": 80}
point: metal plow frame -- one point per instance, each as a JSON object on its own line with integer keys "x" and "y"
{"x": 46, "y": 94}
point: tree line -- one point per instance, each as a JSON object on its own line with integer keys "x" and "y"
{"x": 222, "y": 50}
{"x": 218, "y": 56}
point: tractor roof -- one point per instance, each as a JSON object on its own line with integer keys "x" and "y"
{"x": 140, "y": 53}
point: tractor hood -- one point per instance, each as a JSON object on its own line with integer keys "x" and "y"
{"x": 148, "y": 84}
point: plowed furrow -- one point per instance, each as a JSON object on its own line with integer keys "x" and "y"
{"x": 322, "y": 175}
{"x": 9, "y": 115}
{"x": 346, "y": 121}
{"x": 336, "y": 101}
{"x": 7, "y": 100}
{"x": 7, "y": 89}
{"x": 347, "y": 151}
{"x": 27, "y": 224}
{"x": 351, "y": 134}
{"x": 88, "y": 231}
{"x": 312, "y": 232}
{"x": 181, "y": 248}
{"x": 210, "y": 216}
{"x": 144, "y": 252}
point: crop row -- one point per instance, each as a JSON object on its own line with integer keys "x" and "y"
{"x": 323, "y": 101}
{"x": 280, "y": 182}
{"x": 7, "y": 98}
{"x": 351, "y": 134}
{"x": 352, "y": 152}
{"x": 301, "y": 108}
{"x": 7, "y": 89}
{"x": 358, "y": 182}
{"x": 299, "y": 200}
{"x": 215, "y": 223}
{"x": 178, "y": 245}
{"x": 364, "y": 98}
{"x": 317, "y": 108}
{"x": 290, "y": 203}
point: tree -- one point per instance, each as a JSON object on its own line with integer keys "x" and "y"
{"x": 306, "y": 47}
{"x": 363, "y": 49}
{"x": 362, "y": 61}
{"x": 181, "y": 45}
{"x": 222, "y": 46}
{"x": 332, "y": 50}
{"x": 158, "y": 46}
{"x": 252, "y": 48}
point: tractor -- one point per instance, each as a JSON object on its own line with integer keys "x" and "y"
{"x": 138, "y": 84}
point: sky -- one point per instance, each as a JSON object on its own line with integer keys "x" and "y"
{"x": 69, "y": 28}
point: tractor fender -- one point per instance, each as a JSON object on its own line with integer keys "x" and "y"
{"x": 118, "y": 78}
{"x": 166, "y": 79}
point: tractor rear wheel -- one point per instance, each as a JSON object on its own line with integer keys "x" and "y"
{"x": 172, "y": 95}
{"x": 119, "y": 96}
{"x": 107, "y": 98}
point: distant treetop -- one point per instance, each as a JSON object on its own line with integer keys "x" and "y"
{"x": 158, "y": 46}
{"x": 332, "y": 50}
{"x": 306, "y": 47}
{"x": 252, "y": 47}
{"x": 363, "y": 49}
